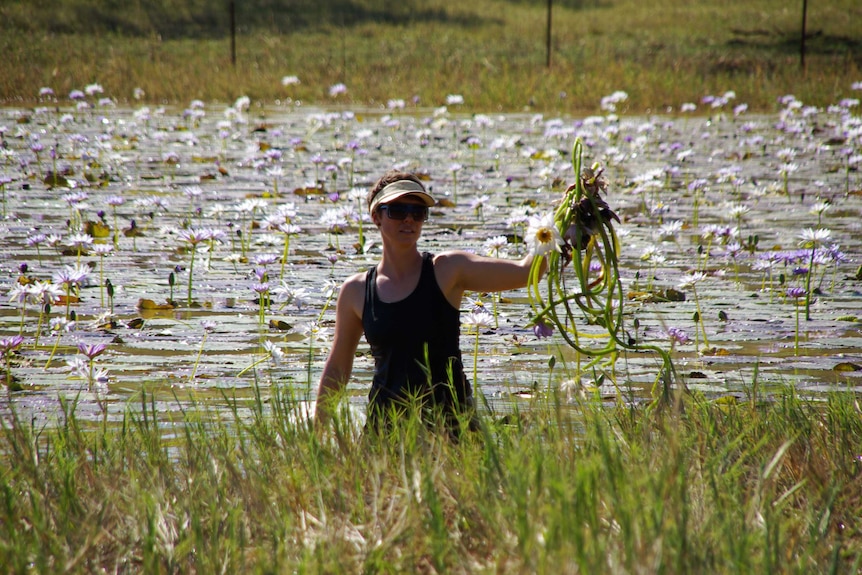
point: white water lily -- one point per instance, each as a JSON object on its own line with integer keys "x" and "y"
{"x": 691, "y": 279}
{"x": 812, "y": 237}
{"x": 275, "y": 353}
{"x": 543, "y": 236}
{"x": 479, "y": 320}
{"x": 818, "y": 207}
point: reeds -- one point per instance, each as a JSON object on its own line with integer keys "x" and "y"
{"x": 717, "y": 487}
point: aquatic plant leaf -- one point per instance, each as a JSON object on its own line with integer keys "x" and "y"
{"x": 847, "y": 366}
{"x": 98, "y": 229}
{"x": 674, "y": 295}
{"x": 53, "y": 180}
{"x": 308, "y": 191}
{"x": 148, "y": 304}
{"x": 279, "y": 324}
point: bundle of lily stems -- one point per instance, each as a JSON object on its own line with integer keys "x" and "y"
{"x": 571, "y": 296}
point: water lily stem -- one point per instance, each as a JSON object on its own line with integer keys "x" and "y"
{"x": 700, "y": 318}
{"x": 796, "y": 336}
{"x": 284, "y": 255}
{"x": 191, "y": 271}
{"x": 198, "y": 358}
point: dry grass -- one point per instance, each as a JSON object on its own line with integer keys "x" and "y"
{"x": 491, "y": 52}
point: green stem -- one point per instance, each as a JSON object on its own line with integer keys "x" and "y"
{"x": 796, "y": 337}
{"x": 191, "y": 271}
{"x": 198, "y": 359}
{"x": 116, "y": 230}
{"x": 39, "y": 326}
{"x": 253, "y": 365}
{"x": 285, "y": 255}
{"x": 700, "y": 317}
{"x": 53, "y": 351}
{"x": 101, "y": 281}
{"x": 808, "y": 284}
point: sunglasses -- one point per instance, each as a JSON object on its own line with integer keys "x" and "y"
{"x": 401, "y": 211}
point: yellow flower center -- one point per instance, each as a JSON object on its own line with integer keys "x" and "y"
{"x": 544, "y": 235}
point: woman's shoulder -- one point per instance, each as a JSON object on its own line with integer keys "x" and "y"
{"x": 356, "y": 279}
{"x": 354, "y": 284}
{"x": 449, "y": 266}
{"x": 452, "y": 258}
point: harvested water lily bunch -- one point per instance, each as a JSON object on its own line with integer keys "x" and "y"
{"x": 588, "y": 210}
{"x": 589, "y": 247}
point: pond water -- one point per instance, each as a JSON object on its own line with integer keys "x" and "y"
{"x": 135, "y": 194}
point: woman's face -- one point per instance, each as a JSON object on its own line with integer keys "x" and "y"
{"x": 400, "y": 231}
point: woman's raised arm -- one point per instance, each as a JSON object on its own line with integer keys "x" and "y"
{"x": 465, "y": 271}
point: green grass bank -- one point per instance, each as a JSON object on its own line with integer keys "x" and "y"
{"x": 492, "y": 52}
{"x": 717, "y": 487}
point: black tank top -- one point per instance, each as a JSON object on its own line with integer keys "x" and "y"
{"x": 415, "y": 345}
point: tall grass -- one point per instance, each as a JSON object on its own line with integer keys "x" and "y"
{"x": 752, "y": 487}
{"x": 490, "y": 51}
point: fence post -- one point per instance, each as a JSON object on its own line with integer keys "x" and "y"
{"x": 804, "y": 32}
{"x": 232, "y": 10}
{"x": 548, "y": 36}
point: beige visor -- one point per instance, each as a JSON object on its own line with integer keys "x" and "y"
{"x": 400, "y": 189}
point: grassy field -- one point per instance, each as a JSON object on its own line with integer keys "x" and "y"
{"x": 713, "y": 488}
{"x": 492, "y": 52}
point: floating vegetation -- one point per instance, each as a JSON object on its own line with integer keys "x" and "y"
{"x": 689, "y": 233}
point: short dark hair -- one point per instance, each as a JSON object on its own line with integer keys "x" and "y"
{"x": 388, "y": 178}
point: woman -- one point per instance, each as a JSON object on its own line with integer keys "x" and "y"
{"x": 408, "y": 308}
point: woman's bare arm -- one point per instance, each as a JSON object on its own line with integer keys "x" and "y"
{"x": 461, "y": 271}
{"x": 348, "y": 331}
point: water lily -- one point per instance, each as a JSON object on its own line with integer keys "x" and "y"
{"x": 275, "y": 352}
{"x": 7, "y": 346}
{"x": 71, "y": 278}
{"x": 87, "y": 369}
{"x": 287, "y": 295}
{"x": 262, "y": 291}
{"x": 495, "y": 246}
{"x": 677, "y": 336}
{"x": 542, "y": 235}
{"x": 193, "y": 237}
{"x": 80, "y": 242}
{"x": 542, "y": 329}
{"x": 811, "y": 239}
{"x": 337, "y": 89}
{"x": 92, "y": 351}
